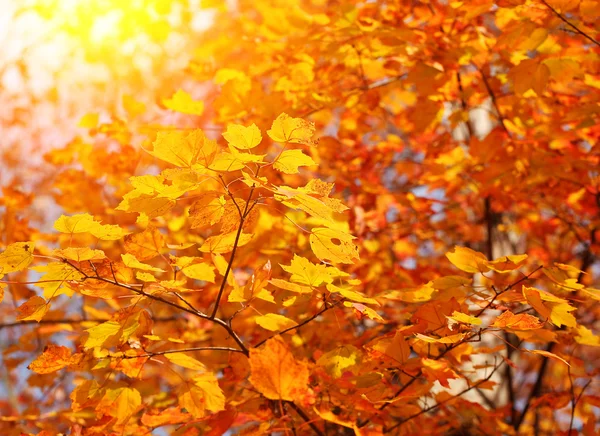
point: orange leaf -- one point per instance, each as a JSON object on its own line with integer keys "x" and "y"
{"x": 275, "y": 372}
{"x": 522, "y": 321}
{"x": 53, "y": 358}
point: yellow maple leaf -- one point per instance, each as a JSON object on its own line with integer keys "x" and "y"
{"x": 468, "y": 260}
{"x": 121, "y": 403}
{"x": 340, "y": 360}
{"x": 506, "y": 264}
{"x": 57, "y": 274}
{"x": 207, "y": 210}
{"x": 200, "y": 394}
{"x": 362, "y": 310}
{"x": 185, "y": 149}
{"x": 351, "y": 295}
{"x": 16, "y": 257}
{"x": 53, "y": 358}
{"x": 145, "y": 245}
{"x": 226, "y": 161}
{"x": 199, "y": 271}
{"x": 79, "y": 254}
{"x": 333, "y": 245}
{"x": 85, "y": 223}
{"x": 550, "y": 307}
{"x": 586, "y": 337}
{"x": 305, "y": 272}
{"x": 224, "y": 243}
{"x": 464, "y": 318}
{"x": 186, "y": 361}
{"x": 101, "y": 333}
{"x": 293, "y": 287}
{"x": 452, "y": 339}
{"x": 182, "y": 102}
{"x": 288, "y": 129}
{"x": 149, "y": 205}
{"x": 276, "y": 374}
{"x": 289, "y": 161}
{"x": 131, "y": 262}
{"x": 274, "y": 322}
{"x": 243, "y": 137}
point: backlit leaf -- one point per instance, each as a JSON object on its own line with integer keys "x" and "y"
{"x": 182, "y": 102}
{"x": 274, "y": 322}
{"x": 289, "y": 161}
{"x": 185, "y": 149}
{"x": 294, "y": 130}
{"x": 243, "y": 137}
{"x": 275, "y": 372}
{"x": 33, "y": 309}
{"x": 333, "y": 245}
{"x": 16, "y": 257}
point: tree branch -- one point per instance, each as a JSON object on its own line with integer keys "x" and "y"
{"x": 305, "y": 417}
{"x": 195, "y": 312}
{"x": 306, "y": 321}
{"x": 243, "y": 217}
{"x": 181, "y": 350}
{"x": 575, "y": 28}
{"x": 435, "y": 406}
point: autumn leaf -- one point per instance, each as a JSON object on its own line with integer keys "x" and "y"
{"x": 522, "y": 321}
{"x": 145, "y": 245}
{"x": 468, "y": 260}
{"x": 274, "y": 322}
{"x": 207, "y": 210}
{"x": 85, "y": 223}
{"x": 289, "y": 161}
{"x": 550, "y": 355}
{"x": 33, "y": 309}
{"x": 339, "y": 360}
{"x": 121, "y": 403}
{"x": 79, "y": 254}
{"x": 54, "y": 358}
{"x": 395, "y": 347}
{"x": 197, "y": 270}
{"x": 185, "y": 149}
{"x": 294, "y": 130}
{"x": 182, "y": 102}
{"x": 351, "y": 295}
{"x": 16, "y": 257}
{"x": 186, "y": 361}
{"x": 305, "y": 272}
{"x": 275, "y": 372}
{"x": 200, "y": 394}
{"x": 292, "y": 287}
{"x": 464, "y": 318}
{"x": 56, "y": 277}
{"x": 243, "y": 137}
{"x": 553, "y": 308}
{"x": 131, "y": 262}
{"x": 434, "y": 370}
{"x": 333, "y": 245}
{"x": 224, "y": 243}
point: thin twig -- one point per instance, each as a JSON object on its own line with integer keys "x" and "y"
{"x": 181, "y": 350}
{"x": 306, "y": 321}
{"x": 305, "y": 417}
{"x": 575, "y": 28}
{"x": 243, "y": 217}
{"x": 435, "y": 406}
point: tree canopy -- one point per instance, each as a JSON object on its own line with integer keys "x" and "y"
{"x": 335, "y": 217}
